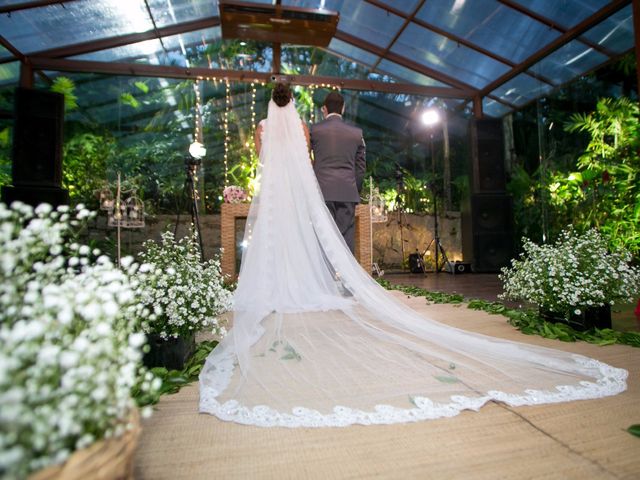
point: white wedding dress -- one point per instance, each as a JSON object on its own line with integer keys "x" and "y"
{"x": 316, "y": 342}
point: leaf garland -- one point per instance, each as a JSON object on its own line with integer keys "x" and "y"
{"x": 526, "y": 320}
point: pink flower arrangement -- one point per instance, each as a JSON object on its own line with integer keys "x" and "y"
{"x": 234, "y": 194}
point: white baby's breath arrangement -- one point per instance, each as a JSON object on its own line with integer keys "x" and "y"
{"x": 185, "y": 294}
{"x": 574, "y": 273}
{"x": 70, "y": 340}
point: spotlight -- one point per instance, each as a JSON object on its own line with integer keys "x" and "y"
{"x": 430, "y": 117}
{"x": 197, "y": 150}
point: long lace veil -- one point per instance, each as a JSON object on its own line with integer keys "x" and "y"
{"x": 317, "y": 342}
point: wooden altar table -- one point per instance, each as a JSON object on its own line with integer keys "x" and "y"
{"x": 232, "y": 211}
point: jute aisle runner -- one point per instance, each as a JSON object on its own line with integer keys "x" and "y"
{"x": 577, "y": 440}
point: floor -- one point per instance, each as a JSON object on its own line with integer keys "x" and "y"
{"x": 487, "y": 286}
{"x": 575, "y": 440}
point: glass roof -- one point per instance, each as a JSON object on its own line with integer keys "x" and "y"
{"x": 568, "y": 62}
{"x": 459, "y": 44}
{"x": 352, "y": 52}
{"x": 615, "y": 33}
{"x": 55, "y": 25}
{"x": 407, "y": 75}
{"x": 179, "y": 11}
{"x": 521, "y": 89}
{"x": 492, "y": 25}
{"x": 494, "y": 108}
{"x": 566, "y": 13}
{"x": 448, "y": 57}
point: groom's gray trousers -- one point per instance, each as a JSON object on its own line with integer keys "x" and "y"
{"x": 344, "y": 215}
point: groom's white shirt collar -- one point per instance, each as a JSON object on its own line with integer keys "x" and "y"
{"x": 332, "y": 115}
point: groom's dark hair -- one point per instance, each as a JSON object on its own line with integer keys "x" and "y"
{"x": 334, "y": 103}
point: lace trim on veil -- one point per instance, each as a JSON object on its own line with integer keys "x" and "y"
{"x": 611, "y": 382}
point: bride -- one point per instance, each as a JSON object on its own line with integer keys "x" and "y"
{"x": 316, "y": 342}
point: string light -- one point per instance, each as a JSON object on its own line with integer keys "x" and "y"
{"x": 197, "y": 135}
{"x": 312, "y": 115}
{"x": 253, "y": 107}
{"x": 226, "y": 131}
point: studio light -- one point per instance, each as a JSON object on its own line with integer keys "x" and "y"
{"x": 430, "y": 117}
{"x": 197, "y": 150}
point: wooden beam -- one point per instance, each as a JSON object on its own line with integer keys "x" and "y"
{"x": 35, "y": 4}
{"x": 17, "y": 54}
{"x": 277, "y": 58}
{"x": 118, "y": 41}
{"x": 477, "y": 107}
{"x": 571, "y": 34}
{"x": 162, "y": 71}
{"x": 26, "y": 75}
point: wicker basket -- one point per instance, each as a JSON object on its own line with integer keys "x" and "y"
{"x": 104, "y": 460}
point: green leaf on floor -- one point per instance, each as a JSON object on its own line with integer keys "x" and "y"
{"x": 528, "y": 321}
{"x": 634, "y": 430}
{"x": 445, "y": 379}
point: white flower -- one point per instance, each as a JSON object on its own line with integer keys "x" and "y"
{"x": 137, "y": 339}
{"x": 577, "y": 311}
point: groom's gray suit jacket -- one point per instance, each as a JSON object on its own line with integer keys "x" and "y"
{"x": 339, "y": 159}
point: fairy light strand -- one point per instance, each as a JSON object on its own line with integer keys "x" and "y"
{"x": 312, "y": 115}
{"x": 226, "y": 131}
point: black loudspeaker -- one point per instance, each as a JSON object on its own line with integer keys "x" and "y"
{"x": 457, "y": 267}
{"x": 416, "y": 264}
{"x": 492, "y": 218}
{"x": 487, "y": 156}
{"x": 37, "y": 148}
{"x": 492, "y": 251}
{"x": 491, "y": 213}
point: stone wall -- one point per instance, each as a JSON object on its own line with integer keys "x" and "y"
{"x": 415, "y": 230}
{"x": 132, "y": 239}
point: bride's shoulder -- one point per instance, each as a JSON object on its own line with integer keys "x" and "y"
{"x": 262, "y": 122}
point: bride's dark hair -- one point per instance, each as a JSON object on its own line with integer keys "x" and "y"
{"x": 281, "y": 94}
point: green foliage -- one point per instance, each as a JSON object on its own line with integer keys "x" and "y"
{"x": 5, "y": 157}
{"x": 530, "y": 323}
{"x": 589, "y": 177}
{"x": 634, "y": 430}
{"x": 434, "y": 297}
{"x": 174, "y": 380}
{"x": 526, "y": 320}
{"x": 128, "y": 99}
{"x": 605, "y": 191}
{"x": 66, "y": 87}
{"x": 85, "y": 160}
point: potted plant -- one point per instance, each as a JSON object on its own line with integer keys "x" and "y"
{"x": 70, "y": 349}
{"x": 574, "y": 280}
{"x": 186, "y": 296}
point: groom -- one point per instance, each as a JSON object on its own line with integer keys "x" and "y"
{"x": 339, "y": 163}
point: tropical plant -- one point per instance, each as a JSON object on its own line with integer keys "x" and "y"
{"x": 605, "y": 190}
{"x": 85, "y": 160}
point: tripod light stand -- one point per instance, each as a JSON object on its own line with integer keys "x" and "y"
{"x": 430, "y": 118}
{"x": 190, "y": 191}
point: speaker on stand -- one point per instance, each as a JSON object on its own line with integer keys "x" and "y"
{"x": 36, "y": 167}
{"x": 488, "y": 213}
